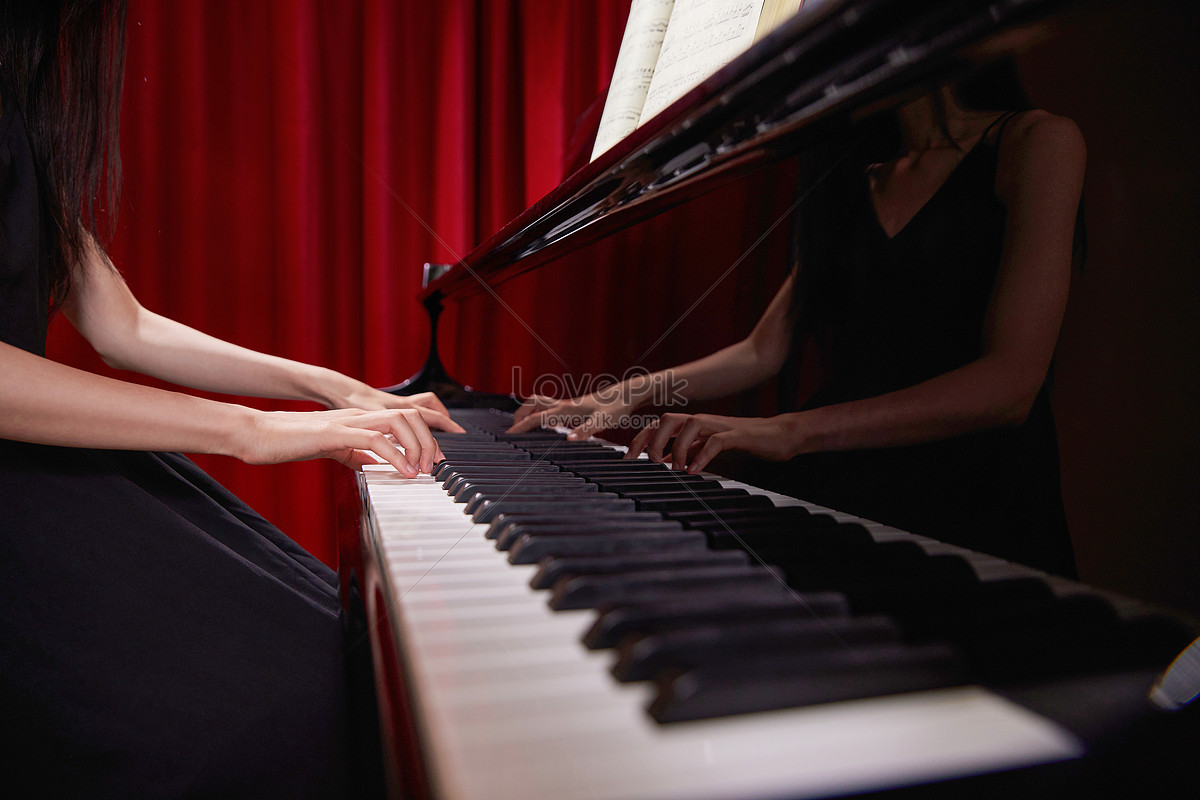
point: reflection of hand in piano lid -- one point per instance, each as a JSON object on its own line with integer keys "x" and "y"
{"x": 510, "y": 704}
{"x": 1179, "y": 686}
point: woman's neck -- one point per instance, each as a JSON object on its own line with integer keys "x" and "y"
{"x": 936, "y": 120}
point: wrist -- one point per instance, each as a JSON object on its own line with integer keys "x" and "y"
{"x": 638, "y": 391}
{"x": 796, "y": 434}
{"x": 239, "y": 432}
{"x": 325, "y": 386}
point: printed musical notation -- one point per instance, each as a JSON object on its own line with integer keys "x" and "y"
{"x": 670, "y": 46}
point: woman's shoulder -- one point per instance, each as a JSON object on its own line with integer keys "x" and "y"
{"x": 1040, "y": 130}
{"x": 1036, "y": 142}
{"x": 1042, "y": 125}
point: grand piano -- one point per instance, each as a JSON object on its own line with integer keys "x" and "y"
{"x": 548, "y": 621}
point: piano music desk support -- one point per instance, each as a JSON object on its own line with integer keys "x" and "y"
{"x": 433, "y": 377}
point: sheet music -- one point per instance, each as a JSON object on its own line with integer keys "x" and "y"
{"x": 702, "y": 36}
{"x": 633, "y": 71}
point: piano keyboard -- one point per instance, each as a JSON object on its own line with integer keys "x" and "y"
{"x": 742, "y": 677}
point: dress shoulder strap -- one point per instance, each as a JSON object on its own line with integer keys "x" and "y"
{"x": 999, "y": 123}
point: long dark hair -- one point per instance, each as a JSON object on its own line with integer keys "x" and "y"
{"x": 62, "y": 64}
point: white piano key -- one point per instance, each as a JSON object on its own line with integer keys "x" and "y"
{"x": 511, "y": 705}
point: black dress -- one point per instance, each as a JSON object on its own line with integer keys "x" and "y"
{"x": 898, "y": 311}
{"x": 157, "y": 637}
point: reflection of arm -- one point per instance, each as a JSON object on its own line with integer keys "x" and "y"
{"x": 733, "y": 369}
{"x": 1040, "y": 178}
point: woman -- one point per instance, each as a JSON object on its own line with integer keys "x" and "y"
{"x": 933, "y": 284}
{"x": 157, "y": 637}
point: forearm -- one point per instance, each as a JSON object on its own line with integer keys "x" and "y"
{"x": 48, "y": 403}
{"x": 173, "y": 352}
{"x": 728, "y": 371}
{"x": 975, "y": 397}
{"x": 979, "y": 396}
{"x": 128, "y": 336}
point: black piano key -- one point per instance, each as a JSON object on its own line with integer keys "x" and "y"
{"x": 625, "y": 477}
{"x": 941, "y": 610}
{"x": 532, "y": 436}
{"x": 880, "y": 560}
{"x": 659, "y": 486}
{"x": 670, "y": 491}
{"x": 799, "y": 679}
{"x": 507, "y": 470}
{"x": 592, "y": 449}
{"x": 489, "y": 510}
{"x": 594, "y": 591}
{"x": 787, "y": 543}
{"x": 1017, "y": 630}
{"x": 608, "y": 467}
{"x": 455, "y": 484}
{"x": 568, "y": 456}
{"x": 691, "y": 503}
{"x": 519, "y": 461}
{"x": 460, "y": 452}
{"x": 615, "y": 623}
{"x": 760, "y": 517}
{"x": 556, "y": 568}
{"x": 642, "y": 657}
{"x": 763, "y": 522}
{"x": 548, "y": 494}
{"x": 567, "y": 528}
{"x": 779, "y": 514}
{"x": 486, "y": 459}
{"x": 560, "y": 455}
{"x": 560, "y": 440}
{"x": 514, "y": 478}
{"x": 876, "y": 590}
{"x": 563, "y": 523}
{"x": 474, "y": 496}
{"x": 864, "y": 580}
{"x": 447, "y": 436}
{"x": 530, "y": 549}
{"x": 494, "y": 457}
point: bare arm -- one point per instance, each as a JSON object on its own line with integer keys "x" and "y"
{"x": 730, "y": 370}
{"x": 740, "y": 366}
{"x": 128, "y": 336}
{"x": 44, "y": 402}
{"x": 1040, "y": 180}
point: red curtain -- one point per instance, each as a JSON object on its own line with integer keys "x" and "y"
{"x": 290, "y": 164}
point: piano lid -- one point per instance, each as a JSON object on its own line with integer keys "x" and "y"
{"x": 833, "y": 60}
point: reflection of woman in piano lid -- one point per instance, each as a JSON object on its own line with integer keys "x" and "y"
{"x": 931, "y": 283}
{"x": 156, "y": 635}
